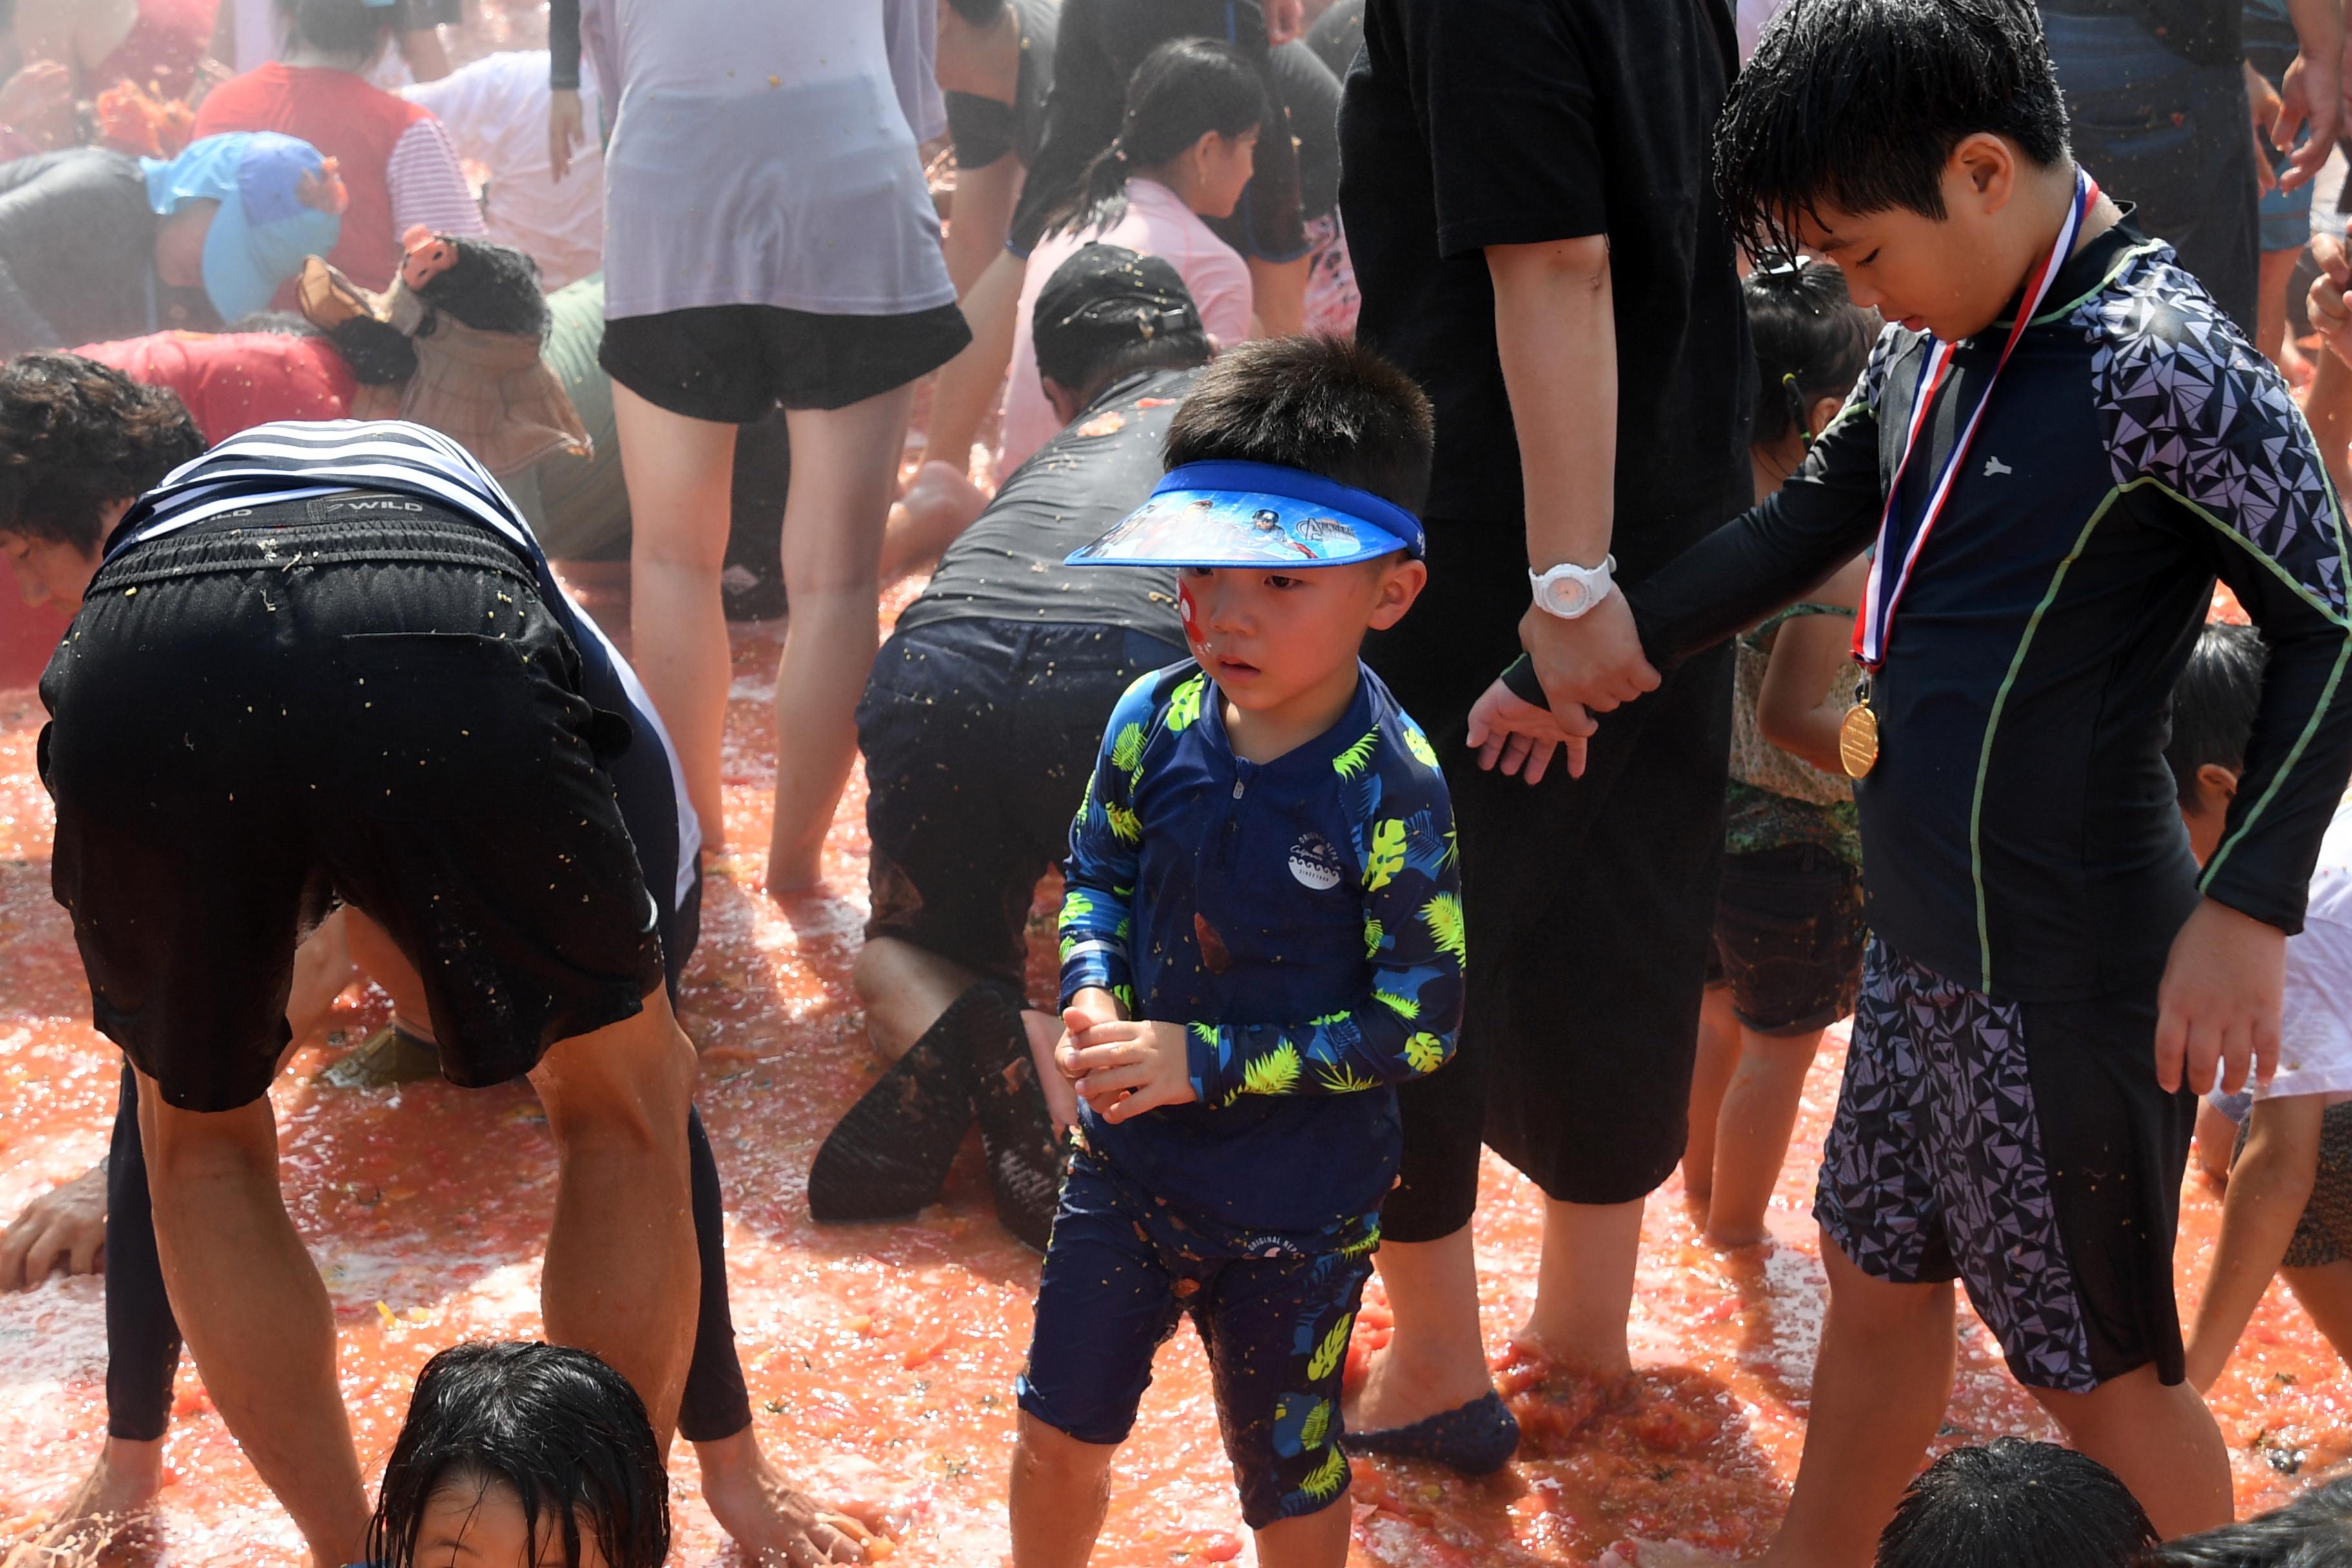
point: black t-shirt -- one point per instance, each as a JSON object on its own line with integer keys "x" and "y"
{"x": 1008, "y": 566}
{"x": 984, "y": 130}
{"x": 1477, "y": 123}
{"x": 2205, "y": 31}
{"x": 78, "y": 248}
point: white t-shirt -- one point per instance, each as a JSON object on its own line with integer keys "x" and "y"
{"x": 760, "y": 155}
{"x": 2316, "y": 1023}
{"x": 495, "y": 110}
{"x": 1156, "y": 223}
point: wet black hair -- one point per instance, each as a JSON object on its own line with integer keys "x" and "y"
{"x": 1811, "y": 343}
{"x": 76, "y": 435}
{"x": 2314, "y": 1531}
{"x": 566, "y": 1432}
{"x": 1184, "y": 89}
{"x": 490, "y": 288}
{"x": 340, "y": 27}
{"x": 1859, "y": 103}
{"x": 2015, "y": 1504}
{"x": 1107, "y": 313}
{"x": 2213, "y": 704}
{"x": 1328, "y": 405}
{"x": 979, "y": 13}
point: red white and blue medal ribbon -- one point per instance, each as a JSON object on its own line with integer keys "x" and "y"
{"x": 1879, "y": 597}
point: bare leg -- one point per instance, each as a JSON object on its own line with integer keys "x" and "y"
{"x": 1584, "y": 1290}
{"x": 254, "y": 1310}
{"x": 680, "y": 473}
{"x": 2325, "y": 1294}
{"x": 1436, "y": 1361}
{"x": 1718, "y": 1058}
{"x": 2160, "y": 1442}
{"x": 322, "y": 967}
{"x": 843, "y": 466}
{"x": 904, "y": 990}
{"x": 1059, "y": 1491}
{"x": 1880, "y": 1385}
{"x": 1317, "y": 1539}
{"x": 1278, "y": 295}
{"x": 620, "y": 1276}
{"x": 966, "y": 389}
{"x": 1760, "y": 1112}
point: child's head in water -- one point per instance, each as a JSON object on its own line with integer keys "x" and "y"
{"x": 1919, "y": 144}
{"x": 2015, "y": 1504}
{"x": 2213, "y": 705}
{"x": 522, "y": 1456}
{"x": 1294, "y": 469}
{"x": 1811, "y": 343}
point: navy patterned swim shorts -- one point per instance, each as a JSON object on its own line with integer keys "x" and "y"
{"x": 2023, "y": 1148}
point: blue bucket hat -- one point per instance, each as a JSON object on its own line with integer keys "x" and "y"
{"x": 1253, "y": 515}
{"x": 264, "y": 229}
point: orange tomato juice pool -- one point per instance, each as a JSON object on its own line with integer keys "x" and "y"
{"x": 881, "y": 1357}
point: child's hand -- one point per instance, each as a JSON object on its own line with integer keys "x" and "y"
{"x": 1508, "y": 729}
{"x": 2218, "y": 1008}
{"x": 1088, "y": 1008}
{"x": 1127, "y": 1068}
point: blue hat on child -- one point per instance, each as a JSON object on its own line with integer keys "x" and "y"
{"x": 1254, "y": 515}
{"x": 265, "y": 226}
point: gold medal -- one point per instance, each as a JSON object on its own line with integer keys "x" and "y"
{"x": 1858, "y": 739}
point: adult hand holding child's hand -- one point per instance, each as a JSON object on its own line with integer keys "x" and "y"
{"x": 1122, "y": 1067}
{"x": 2218, "y": 1007}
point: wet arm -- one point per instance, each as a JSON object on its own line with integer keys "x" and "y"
{"x": 2269, "y": 1185}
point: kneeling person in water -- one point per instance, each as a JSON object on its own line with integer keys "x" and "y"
{"x": 327, "y": 663}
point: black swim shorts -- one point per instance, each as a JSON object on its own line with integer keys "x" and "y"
{"x": 264, "y": 714}
{"x": 731, "y": 364}
{"x": 1123, "y": 1269}
{"x": 2023, "y": 1148}
{"x": 1788, "y": 938}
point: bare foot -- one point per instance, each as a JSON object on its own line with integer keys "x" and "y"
{"x": 111, "y": 1499}
{"x": 1398, "y": 1393}
{"x": 65, "y": 1228}
{"x": 772, "y": 1522}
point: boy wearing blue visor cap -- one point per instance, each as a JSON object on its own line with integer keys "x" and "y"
{"x": 97, "y": 245}
{"x": 1261, "y": 934}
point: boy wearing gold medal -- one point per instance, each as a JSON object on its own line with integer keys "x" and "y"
{"x": 2059, "y": 443}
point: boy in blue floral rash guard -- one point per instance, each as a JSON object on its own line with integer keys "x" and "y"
{"x": 1262, "y": 934}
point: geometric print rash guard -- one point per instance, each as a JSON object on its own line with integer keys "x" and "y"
{"x": 1301, "y": 917}
{"x": 2020, "y": 832}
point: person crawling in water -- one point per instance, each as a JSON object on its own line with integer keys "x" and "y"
{"x": 323, "y": 665}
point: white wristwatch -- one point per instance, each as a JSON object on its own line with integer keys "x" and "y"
{"x": 1568, "y": 590}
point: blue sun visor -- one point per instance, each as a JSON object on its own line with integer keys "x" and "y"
{"x": 1253, "y": 515}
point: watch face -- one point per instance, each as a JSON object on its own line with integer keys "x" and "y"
{"x": 1565, "y": 595}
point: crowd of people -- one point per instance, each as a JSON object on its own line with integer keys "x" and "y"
{"x": 1522, "y": 558}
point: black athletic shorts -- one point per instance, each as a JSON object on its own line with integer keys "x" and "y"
{"x": 260, "y": 716}
{"x": 734, "y": 364}
{"x": 1788, "y": 938}
{"x": 1123, "y": 1268}
{"x": 1593, "y": 905}
{"x": 980, "y": 736}
{"x": 2023, "y": 1148}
